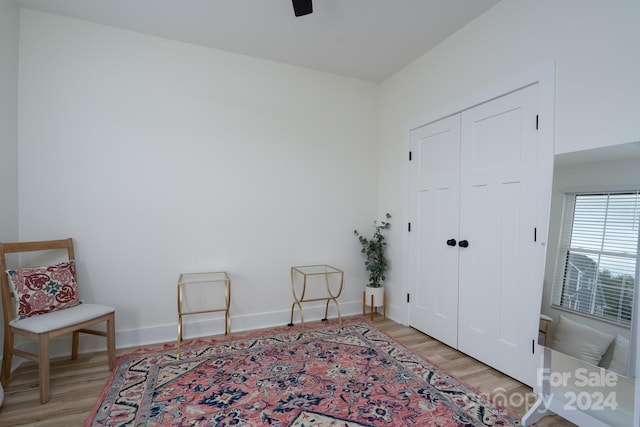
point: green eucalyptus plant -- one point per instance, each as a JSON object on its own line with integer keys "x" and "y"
{"x": 373, "y": 250}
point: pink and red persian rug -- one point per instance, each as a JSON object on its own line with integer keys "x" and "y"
{"x": 325, "y": 377}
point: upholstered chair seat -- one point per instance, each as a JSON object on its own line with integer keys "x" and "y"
{"x": 51, "y": 321}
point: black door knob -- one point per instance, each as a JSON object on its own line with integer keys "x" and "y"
{"x": 463, "y": 243}
{"x": 451, "y": 242}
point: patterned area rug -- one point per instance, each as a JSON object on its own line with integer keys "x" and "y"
{"x": 325, "y": 377}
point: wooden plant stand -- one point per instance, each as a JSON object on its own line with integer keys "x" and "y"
{"x": 374, "y": 309}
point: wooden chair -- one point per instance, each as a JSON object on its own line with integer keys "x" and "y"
{"x": 44, "y": 327}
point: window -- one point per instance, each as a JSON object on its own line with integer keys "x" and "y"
{"x": 596, "y": 265}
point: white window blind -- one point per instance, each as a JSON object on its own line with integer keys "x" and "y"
{"x": 596, "y": 265}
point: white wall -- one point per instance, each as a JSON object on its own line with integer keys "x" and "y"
{"x": 161, "y": 157}
{"x": 217, "y": 160}
{"x": 594, "y": 45}
{"x": 8, "y": 121}
{"x": 9, "y": 17}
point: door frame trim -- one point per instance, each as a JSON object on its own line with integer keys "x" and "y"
{"x": 545, "y": 76}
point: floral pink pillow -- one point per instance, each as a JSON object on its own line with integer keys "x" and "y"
{"x": 40, "y": 290}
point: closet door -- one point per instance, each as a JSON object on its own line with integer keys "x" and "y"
{"x": 433, "y": 209}
{"x": 498, "y": 311}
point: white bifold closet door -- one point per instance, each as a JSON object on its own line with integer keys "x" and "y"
{"x": 434, "y": 211}
{"x": 480, "y": 295}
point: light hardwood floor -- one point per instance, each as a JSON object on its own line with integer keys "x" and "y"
{"x": 76, "y": 385}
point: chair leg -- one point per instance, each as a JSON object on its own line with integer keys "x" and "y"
{"x": 111, "y": 341}
{"x": 7, "y": 354}
{"x": 75, "y": 340}
{"x": 43, "y": 367}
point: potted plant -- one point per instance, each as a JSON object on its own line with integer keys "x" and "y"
{"x": 375, "y": 261}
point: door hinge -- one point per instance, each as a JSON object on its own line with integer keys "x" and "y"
{"x": 537, "y": 119}
{"x": 535, "y": 234}
{"x": 408, "y": 298}
{"x": 409, "y": 155}
{"x": 409, "y": 227}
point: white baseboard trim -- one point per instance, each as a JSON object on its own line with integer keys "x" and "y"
{"x": 397, "y": 314}
{"x": 215, "y": 324}
{"x": 61, "y": 347}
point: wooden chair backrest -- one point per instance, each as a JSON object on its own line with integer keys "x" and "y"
{"x": 19, "y": 247}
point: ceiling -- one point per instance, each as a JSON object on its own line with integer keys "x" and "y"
{"x": 630, "y": 150}
{"x": 364, "y": 39}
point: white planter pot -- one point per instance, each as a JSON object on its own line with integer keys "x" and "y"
{"x": 378, "y": 296}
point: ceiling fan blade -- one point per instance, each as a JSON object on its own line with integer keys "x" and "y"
{"x": 302, "y": 7}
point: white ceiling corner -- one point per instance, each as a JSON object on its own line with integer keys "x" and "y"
{"x": 364, "y": 39}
